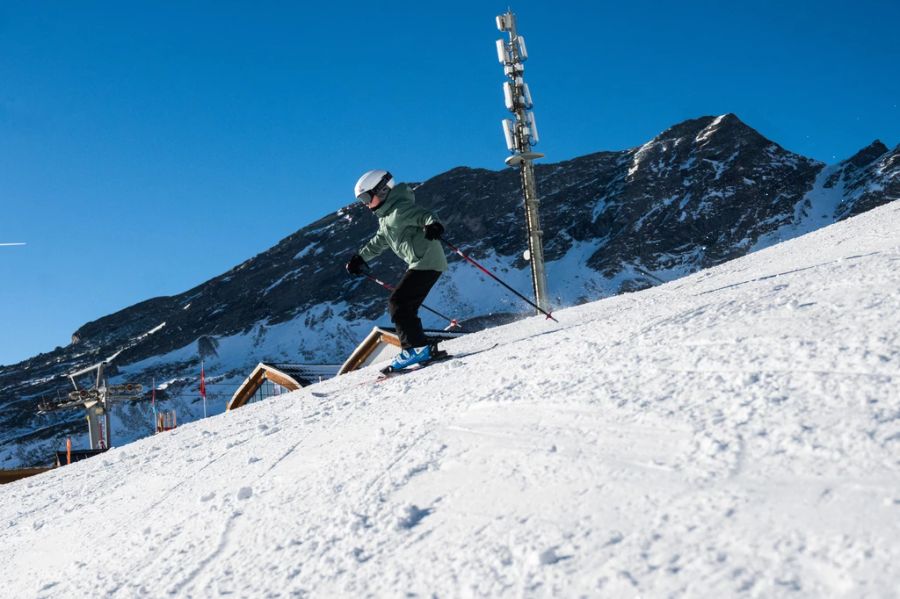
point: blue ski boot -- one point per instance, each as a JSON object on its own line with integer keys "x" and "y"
{"x": 420, "y": 356}
{"x": 411, "y": 356}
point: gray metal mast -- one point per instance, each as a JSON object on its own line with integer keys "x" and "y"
{"x": 521, "y": 134}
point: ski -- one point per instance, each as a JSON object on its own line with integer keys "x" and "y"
{"x": 442, "y": 356}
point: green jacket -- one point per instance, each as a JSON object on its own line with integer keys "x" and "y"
{"x": 401, "y": 227}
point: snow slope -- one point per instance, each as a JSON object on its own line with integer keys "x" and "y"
{"x": 732, "y": 433}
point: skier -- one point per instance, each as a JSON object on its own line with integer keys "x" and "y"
{"x": 413, "y": 233}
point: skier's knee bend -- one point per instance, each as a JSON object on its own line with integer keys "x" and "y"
{"x": 398, "y": 308}
{"x": 402, "y": 314}
{"x": 394, "y": 308}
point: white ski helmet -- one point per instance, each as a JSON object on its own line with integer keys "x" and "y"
{"x": 371, "y": 184}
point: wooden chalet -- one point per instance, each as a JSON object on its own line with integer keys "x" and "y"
{"x": 8, "y": 476}
{"x": 61, "y": 459}
{"x": 269, "y": 379}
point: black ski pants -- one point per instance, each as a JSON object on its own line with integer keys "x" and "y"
{"x": 403, "y": 306}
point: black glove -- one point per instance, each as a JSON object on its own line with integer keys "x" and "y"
{"x": 356, "y": 264}
{"x": 434, "y": 231}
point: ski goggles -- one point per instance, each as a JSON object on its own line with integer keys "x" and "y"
{"x": 367, "y": 196}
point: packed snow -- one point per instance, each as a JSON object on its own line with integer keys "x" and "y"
{"x": 732, "y": 433}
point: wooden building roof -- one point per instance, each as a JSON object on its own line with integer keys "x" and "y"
{"x": 289, "y": 376}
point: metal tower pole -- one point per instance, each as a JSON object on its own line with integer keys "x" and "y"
{"x": 535, "y": 236}
{"x": 521, "y": 134}
{"x": 107, "y": 408}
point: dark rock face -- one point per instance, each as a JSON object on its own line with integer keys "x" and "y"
{"x": 867, "y": 180}
{"x": 702, "y": 192}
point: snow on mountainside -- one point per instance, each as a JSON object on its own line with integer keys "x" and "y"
{"x": 700, "y": 193}
{"x": 735, "y": 432}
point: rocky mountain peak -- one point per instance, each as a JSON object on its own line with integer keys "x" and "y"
{"x": 710, "y": 130}
{"x": 867, "y": 155}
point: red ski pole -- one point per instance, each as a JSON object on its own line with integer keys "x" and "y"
{"x": 496, "y": 278}
{"x": 453, "y": 322}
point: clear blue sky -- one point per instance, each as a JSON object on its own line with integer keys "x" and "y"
{"x": 147, "y": 146}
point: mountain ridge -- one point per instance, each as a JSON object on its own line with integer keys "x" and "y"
{"x": 700, "y": 193}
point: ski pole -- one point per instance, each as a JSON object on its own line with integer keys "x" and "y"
{"x": 453, "y": 322}
{"x": 496, "y": 278}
